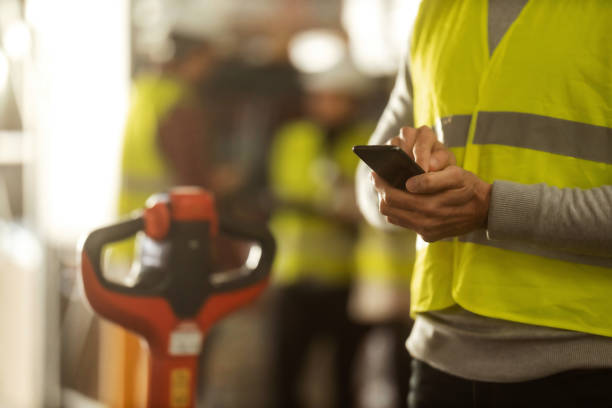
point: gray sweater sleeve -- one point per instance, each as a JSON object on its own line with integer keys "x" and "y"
{"x": 569, "y": 219}
{"x": 397, "y": 114}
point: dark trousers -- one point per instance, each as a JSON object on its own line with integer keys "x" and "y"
{"x": 403, "y": 360}
{"x": 303, "y": 313}
{"x": 431, "y": 388}
{"x": 384, "y": 366}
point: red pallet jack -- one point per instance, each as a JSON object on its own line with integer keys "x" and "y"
{"x": 178, "y": 297}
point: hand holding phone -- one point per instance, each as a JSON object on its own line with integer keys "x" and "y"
{"x": 389, "y": 162}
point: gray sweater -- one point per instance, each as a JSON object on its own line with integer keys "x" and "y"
{"x": 573, "y": 222}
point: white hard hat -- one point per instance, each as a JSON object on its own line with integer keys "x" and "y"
{"x": 342, "y": 77}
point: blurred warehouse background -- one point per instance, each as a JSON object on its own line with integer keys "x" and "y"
{"x": 65, "y": 72}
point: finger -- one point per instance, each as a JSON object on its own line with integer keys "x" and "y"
{"x": 430, "y": 228}
{"x": 422, "y": 204}
{"x": 399, "y": 222}
{"x": 390, "y": 197}
{"x": 440, "y": 157}
{"x": 454, "y": 197}
{"x": 396, "y": 141}
{"x": 437, "y": 181}
{"x": 407, "y": 138}
{"x": 427, "y": 227}
{"x": 423, "y": 145}
{"x": 379, "y": 183}
{"x": 446, "y": 205}
{"x": 402, "y": 218}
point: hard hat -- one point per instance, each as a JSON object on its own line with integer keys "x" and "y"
{"x": 342, "y": 77}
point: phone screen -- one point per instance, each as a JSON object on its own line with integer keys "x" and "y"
{"x": 389, "y": 162}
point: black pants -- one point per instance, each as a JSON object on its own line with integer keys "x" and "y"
{"x": 385, "y": 365}
{"x": 576, "y": 389}
{"x": 303, "y": 313}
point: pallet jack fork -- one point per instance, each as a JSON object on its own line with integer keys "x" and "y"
{"x": 179, "y": 297}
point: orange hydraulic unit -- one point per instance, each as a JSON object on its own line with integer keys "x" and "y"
{"x": 178, "y": 296}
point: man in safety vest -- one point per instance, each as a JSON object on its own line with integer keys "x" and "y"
{"x": 165, "y": 139}
{"x": 312, "y": 177}
{"x": 512, "y": 285}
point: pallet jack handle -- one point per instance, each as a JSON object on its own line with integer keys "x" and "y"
{"x": 175, "y": 313}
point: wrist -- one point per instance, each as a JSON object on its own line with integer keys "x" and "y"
{"x": 484, "y": 194}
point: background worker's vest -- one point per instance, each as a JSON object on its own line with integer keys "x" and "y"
{"x": 303, "y": 167}
{"x": 144, "y": 171}
{"x": 384, "y": 257}
{"x": 538, "y": 110}
{"x": 384, "y": 261}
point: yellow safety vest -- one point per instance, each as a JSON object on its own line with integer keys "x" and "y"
{"x": 144, "y": 171}
{"x": 302, "y": 168}
{"x": 538, "y": 110}
{"x": 384, "y": 257}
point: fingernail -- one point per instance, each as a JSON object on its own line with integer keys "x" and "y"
{"x": 409, "y": 185}
{"x": 371, "y": 177}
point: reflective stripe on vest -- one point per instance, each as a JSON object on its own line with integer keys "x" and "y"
{"x": 453, "y": 130}
{"x": 540, "y": 109}
{"x": 546, "y": 134}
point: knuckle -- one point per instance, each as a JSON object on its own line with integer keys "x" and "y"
{"x": 426, "y": 131}
{"x": 427, "y": 238}
{"x": 427, "y": 227}
{"x": 430, "y": 208}
{"x": 383, "y": 207}
{"x": 455, "y": 171}
{"x": 421, "y": 226}
{"x": 425, "y": 182}
{"x": 407, "y": 134}
{"x": 443, "y": 155}
{"x": 465, "y": 193}
{"x": 432, "y": 237}
{"x": 425, "y": 232}
{"x": 394, "y": 141}
{"x": 391, "y": 200}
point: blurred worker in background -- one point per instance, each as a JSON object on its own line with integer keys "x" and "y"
{"x": 167, "y": 139}
{"x": 316, "y": 226}
{"x": 380, "y": 300}
{"x": 165, "y": 135}
{"x": 248, "y": 104}
{"x": 511, "y": 291}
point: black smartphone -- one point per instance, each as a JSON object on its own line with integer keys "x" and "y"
{"x": 389, "y": 162}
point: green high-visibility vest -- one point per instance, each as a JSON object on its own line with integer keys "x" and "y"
{"x": 385, "y": 257}
{"x": 303, "y": 167}
{"x": 537, "y": 110}
{"x": 144, "y": 171}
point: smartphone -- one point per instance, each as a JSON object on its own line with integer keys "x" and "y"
{"x": 389, "y": 162}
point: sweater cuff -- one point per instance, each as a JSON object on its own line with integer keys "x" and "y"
{"x": 512, "y": 210}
